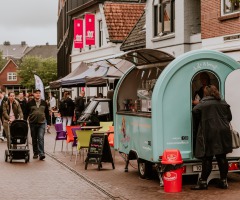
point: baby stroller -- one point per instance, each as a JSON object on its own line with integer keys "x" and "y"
{"x": 18, "y": 141}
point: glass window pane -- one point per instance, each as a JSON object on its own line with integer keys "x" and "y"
{"x": 167, "y": 17}
{"x": 155, "y": 20}
{"x": 227, "y": 6}
{"x": 236, "y": 5}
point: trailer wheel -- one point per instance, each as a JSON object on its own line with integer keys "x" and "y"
{"x": 144, "y": 169}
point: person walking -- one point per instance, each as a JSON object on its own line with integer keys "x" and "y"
{"x": 2, "y": 100}
{"x": 38, "y": 114}
{"x": 79, "y": 104}
{"x": 66, "y": 110}
{"x": 23, "y": 103}
{"x": 52, "y": 107}
{"x": 211, "y": 118}
{"x": 11, "y": 111}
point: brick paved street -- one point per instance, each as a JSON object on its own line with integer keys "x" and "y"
{"x": 129, "y": 186}
{"x": 42, "y": 180}
{"x": 59, "y": 178}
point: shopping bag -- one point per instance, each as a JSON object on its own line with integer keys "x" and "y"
{"x": 58, "y": 120}
{"x": 235, "y": 138}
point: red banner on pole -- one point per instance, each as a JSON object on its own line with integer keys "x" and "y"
{"x": 78, "y": 33}
{"x": 90, "y": 29}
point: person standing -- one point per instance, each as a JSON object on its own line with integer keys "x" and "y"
{"x": 38, "y": 114}
{"x": 11, "y": 111}
{"x": 66, "y": 110}
{"x": 211, "y": 118}
{"x": 205, "y": 80}
{"x": 1, "y": 112}
{"x": 79, "y": 105}
{"x": 52, "y": 106}
{"x": 23, "y": 103}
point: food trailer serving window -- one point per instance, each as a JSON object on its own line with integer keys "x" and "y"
{"x": 135, "y": 92}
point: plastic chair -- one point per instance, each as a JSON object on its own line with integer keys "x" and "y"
{"x": 105, "y": 126}
{"x": 74, "y": 143}
{"x": 111, "y": 140}
{"x": 83, "y": 139}
{"x": 60, "y": 135}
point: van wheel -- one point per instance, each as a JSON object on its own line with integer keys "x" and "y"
{"x": 144, "y": 169}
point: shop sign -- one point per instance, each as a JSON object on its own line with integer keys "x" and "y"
{"x": 90, "y": 29}
{"x": 78, "y": 33}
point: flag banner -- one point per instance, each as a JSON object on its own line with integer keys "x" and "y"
{"x": 78, "y": 33}
{"x": 39, "y": 85}
{"x": 90, "y": 29}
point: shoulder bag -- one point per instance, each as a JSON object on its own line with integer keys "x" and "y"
{"x": 235, "y": 138}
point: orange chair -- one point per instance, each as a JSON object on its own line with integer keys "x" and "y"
{"x": 70, "y": 135}
{"x": 111, "y": 139}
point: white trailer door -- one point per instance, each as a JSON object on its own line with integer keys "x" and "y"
{"x": 232, "y": 96}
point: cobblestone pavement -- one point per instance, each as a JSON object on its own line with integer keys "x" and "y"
{"x": 59, "y": 178}
{"x": 42, "y": 180}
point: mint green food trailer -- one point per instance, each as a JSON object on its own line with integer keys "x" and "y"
{"x": 153, "y": 104}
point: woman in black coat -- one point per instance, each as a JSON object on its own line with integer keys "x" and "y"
{"x": 66, "y": 109}
{"x": 211, "y": 118}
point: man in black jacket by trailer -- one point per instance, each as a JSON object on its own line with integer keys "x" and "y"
{"x": 37, "y": 113}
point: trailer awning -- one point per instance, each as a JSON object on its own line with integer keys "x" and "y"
{"x": 140, "y": 57}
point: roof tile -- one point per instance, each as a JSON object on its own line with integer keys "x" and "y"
{"x": 121, "y": 17}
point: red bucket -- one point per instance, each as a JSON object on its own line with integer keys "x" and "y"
{"x": 173, "y": 180}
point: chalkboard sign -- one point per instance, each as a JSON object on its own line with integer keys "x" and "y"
{"x": 99, "y": 151}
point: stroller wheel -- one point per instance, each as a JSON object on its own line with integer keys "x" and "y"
{"x": 27, "y": 158}
{"x": 10, "y": 159}
{"x": 6, "y": 155}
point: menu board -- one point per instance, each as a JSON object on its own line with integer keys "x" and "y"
{"x": 99, "y": 151}
{"x": 96, "y": 144}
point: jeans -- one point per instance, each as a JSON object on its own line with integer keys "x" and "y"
{"x": 37, "y": 133}
{"x": 67, "y": 121}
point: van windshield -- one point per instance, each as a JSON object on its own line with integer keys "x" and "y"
{"x": 91, "y": 106}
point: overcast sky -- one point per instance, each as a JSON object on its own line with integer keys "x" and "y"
{"x": 33, "y": 21}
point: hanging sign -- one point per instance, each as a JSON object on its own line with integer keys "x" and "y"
{"x": 90, "y": 29}
{"x": 78, "y": 33}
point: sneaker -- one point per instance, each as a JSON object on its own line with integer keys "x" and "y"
{"x": 35, "y": 156}
{"x": 2, "y": 138}
{"x": 42, "y": 157}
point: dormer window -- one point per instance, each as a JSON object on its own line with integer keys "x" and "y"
{"x": 11, "y": 76}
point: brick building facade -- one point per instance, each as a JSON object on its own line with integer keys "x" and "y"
{"x": 220, "y": 26}
{"x": 215, "y": 23}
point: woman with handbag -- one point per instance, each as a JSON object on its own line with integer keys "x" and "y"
{"x": 211, "y": 118}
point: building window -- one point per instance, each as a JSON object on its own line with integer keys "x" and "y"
{"x": 164, "y": 17}
{"x": 100, "y": 33}
{"x": 231, "y": 6}
{"x": 11, "y": 76}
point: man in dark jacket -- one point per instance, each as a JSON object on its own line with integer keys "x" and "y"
{"x": 211, "y": 118}
{"x": 79, "y": 105}
{"x": 37, "y": 114}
